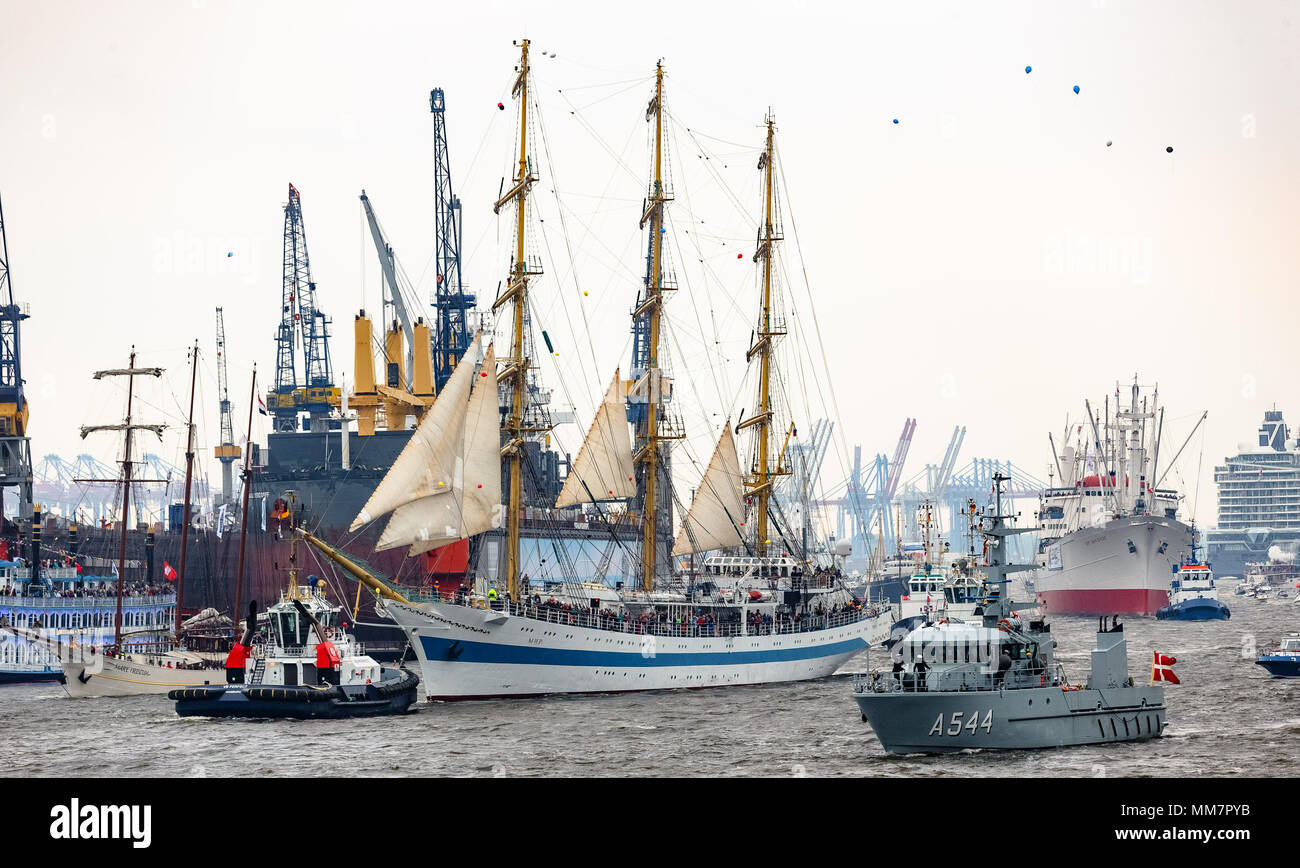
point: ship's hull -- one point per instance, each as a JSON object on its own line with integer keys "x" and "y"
{"x": 1200, "y": 609}
{"x": 30, "y": 676}
{"x": 115, "y": 676}
{"x": 1122, "y": 567}
{"x": 394, "y": 694}
{"x": 933, "y": 723}
{"x": 469, "y": 653}
{"x": 1280, "y": 665}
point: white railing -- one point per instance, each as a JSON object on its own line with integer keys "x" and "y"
{"x": 128, "y": 601}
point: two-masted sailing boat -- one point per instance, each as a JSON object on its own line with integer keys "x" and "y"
{"x": 749, "y": 620}
{"x": 159, "y": 663}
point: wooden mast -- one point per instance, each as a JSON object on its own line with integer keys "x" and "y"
{"x": 516, "y": 369}
{"x": 130, "y": 372}
{"x": 248, "y": 482}
{"x": 189, "y": 473}
{"x": 760, "y": 483}
{"x": 126, "y": 502}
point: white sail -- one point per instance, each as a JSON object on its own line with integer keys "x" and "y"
{"x": 718, "y": 507}
{"x": 478, "y": 494}
{"x": 603, "y": 469}
{"x": 427, "y": 465}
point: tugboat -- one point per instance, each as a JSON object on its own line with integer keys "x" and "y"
{"x": 995, "y": 685}
{"x": 1284, "y": 661}
{"x": 309, "y": 667}
{"x": 1193, "y": 596}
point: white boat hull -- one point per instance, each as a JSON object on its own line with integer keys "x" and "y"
{"x": 115, "y": 676}
{"x": 471, "y": 653}
{"x": 1100, "y": 575}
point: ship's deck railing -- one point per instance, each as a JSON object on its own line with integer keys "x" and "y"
{"x": 879, "y": 681}
{"x": 270, "y": 649}
{"x": 687, "y": 627}
{"x": 128, "y": 601}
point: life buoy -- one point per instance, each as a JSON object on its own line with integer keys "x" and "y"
{"x": 1004, "y": 625}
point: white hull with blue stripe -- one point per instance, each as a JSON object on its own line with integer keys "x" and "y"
{"x": 474, "y": 653}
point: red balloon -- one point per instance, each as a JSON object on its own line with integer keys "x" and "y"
{"x": 740, "y": 256}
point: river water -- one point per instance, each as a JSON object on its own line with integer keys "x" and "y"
{"x": 1227, "y": 718}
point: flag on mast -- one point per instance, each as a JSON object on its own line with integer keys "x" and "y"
{"x": 263, "y": 513}
{"x": 168, "y": 573}
{"x": 221, "y": 520}
{"x": 261, "y": 405}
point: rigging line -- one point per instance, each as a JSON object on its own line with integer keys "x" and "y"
{"x": 600, "y": 140}
{"x": 634, "y": 83}
{"x": 713, "y": 170}
{"x": 550, "y": 162}
{"x": 812, "y": 311}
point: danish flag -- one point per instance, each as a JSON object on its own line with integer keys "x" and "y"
{"x": 168, "y": 572}
{"x": 1162, "y": 668}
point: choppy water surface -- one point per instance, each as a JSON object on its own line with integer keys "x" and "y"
{"x": 1227, "y": 718}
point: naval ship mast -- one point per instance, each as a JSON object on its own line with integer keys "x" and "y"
{"x": 517, "y": 425}
{"x": 650, "y": 388}
{"x": 761, "y": 478}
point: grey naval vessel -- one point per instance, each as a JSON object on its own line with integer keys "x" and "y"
{"x": 994, "y": 684}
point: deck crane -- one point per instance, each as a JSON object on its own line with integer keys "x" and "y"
{"x": 227, "y": 452}
{"x": 388, "y": 263}
{"x": 300, "y": 319}
{"x": 15, "y": 447}
{"x": 452, "y": 331}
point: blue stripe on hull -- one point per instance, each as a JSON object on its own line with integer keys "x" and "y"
{"x": 436, "y": 650}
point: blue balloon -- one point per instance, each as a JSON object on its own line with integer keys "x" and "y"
{"x": 895, "y": 120}
{"x": 1076, "y": 88}
{"x": 1028, "y": 69}
{"x": 228, "y": 255}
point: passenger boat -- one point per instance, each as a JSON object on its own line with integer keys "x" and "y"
{"x": 1283, "y": 661}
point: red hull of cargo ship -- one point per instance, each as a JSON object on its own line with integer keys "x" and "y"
{"x": 1103, "y": 601}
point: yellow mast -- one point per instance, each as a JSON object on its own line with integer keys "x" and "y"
{"x": 648, "y": 453}
{"x": 516, "y": 369}
{"x": 760, "y": 481}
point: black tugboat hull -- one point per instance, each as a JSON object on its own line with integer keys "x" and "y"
{"x": 394, "y": 694}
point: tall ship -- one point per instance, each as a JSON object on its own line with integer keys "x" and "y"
{"x": 1110, "y": 537}
{"x": 1259, "y": 501}
{"x": 758, "y": 617}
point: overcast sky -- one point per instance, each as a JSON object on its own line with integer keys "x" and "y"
{"x": 988, "y": 261}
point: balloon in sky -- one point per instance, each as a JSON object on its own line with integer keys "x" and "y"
{"x": 1169, "y": 150}
{"x": 1108, "y": 143}
{"x": 230, "y": 254}
{"x": 501, "y": 106}
{"x": 895, "y": 120}
{"x": 1076, "y": 88}
{"x": 1028, "y": 69}
{"x": 740, "y": 256}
